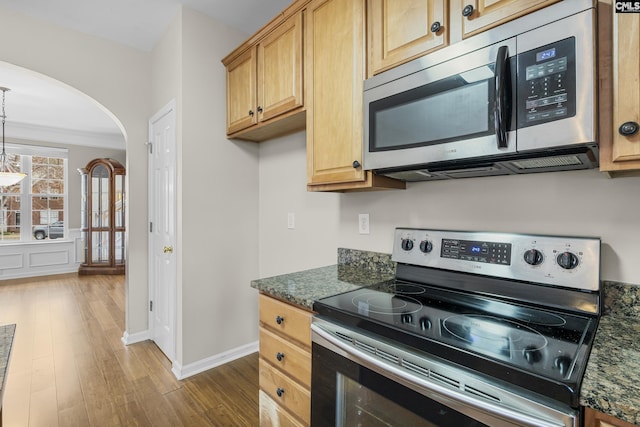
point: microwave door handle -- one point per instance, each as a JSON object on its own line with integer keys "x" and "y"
{"x": 501, "y": 109}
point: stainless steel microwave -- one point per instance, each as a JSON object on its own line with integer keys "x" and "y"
{"x": 519, "y": 98}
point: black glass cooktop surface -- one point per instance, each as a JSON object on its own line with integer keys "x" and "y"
{"x": 539, "y": 349}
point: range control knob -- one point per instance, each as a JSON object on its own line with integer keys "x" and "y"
{"x": 425, "y": 323}
{"x": 407, "y": 244}
{"x": 567, "y": 260}
{"x": 532, "y": 355}
{"x": 426, "y": 246}
{"x": 406, "y": 318}
{"x": 563, "y": 363}
{"x": 533, "y": 257}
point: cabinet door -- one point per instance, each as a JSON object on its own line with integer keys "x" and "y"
{"x": 285, "y": 391}
{"x": 280, "y": 70}
{"x": 489, "y": 13}
{"x": 626, "y": 86}
{"x": 272, "y": 415}
{"x": 334, "y": 57}
{"x": 241, "y": 92}
{"x": 593, "y": 418}
{"x": 401, "y": 30}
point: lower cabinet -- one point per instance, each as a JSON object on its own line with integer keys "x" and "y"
{"x": 593, "y": 418}
{"x": 285, "y": 364}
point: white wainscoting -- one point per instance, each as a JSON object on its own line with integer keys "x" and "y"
{"x": 41, "y": 258}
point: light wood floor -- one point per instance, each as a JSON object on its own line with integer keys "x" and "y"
{"x": 69, "y": 368}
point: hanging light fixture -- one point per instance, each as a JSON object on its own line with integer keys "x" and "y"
{"x": 7, "y": 176}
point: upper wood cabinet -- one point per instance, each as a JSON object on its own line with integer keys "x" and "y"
{"x": 334, "y": 61}
{"x": 400, "y": 30}
{"x": 265, "y": 83}
{"x": 619, "y": 146}
{"x": 480, "y": 15}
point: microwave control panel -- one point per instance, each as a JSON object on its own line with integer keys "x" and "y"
{"x": 547, "y": 83}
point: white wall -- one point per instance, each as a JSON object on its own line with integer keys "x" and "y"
{"x": 219, "y": 201}
{"x": 581, "y": 203}
{"x": 117, "y": 77}
{"x": 217, "y": 192}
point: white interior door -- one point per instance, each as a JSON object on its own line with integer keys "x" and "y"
{"x": 162, "y": 230}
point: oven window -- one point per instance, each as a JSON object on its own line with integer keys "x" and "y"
{"x": 345, "y": 393}
{"x": 358, "y": 405}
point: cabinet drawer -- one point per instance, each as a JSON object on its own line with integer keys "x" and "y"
{"x": 293, "y": 397}
{"x": 293, "y": 361}
{"x": 272, "y": 415}
{"x": 286, "y": 319}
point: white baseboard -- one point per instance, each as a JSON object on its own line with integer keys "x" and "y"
{"x": 182, "y": 372}
{"x": 134, "y": 338}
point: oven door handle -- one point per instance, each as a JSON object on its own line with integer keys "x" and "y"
{"x": 455, "y": 400}
{"x": 502, "y": 96}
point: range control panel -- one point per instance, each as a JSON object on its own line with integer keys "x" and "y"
{"x": 572, "y": 262}
{"x": 472, "y": 250}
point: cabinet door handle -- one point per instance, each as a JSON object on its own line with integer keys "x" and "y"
{"x": 279, "y": 356}
{"x": 279, "y": 391}
{"x": 628, "y": 128}
{"x": 279, "y": 320}
{"x": 467, "y": 11}
{"x": 259, "y": 109}
{"x": 356, "y": 164}
{"x": 435, "y": 27}
{"x": 251, "y": 112}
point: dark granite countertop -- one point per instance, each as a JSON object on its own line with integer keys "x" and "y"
{"x": 355, "y": 269}
{"x": 612, "y": 380}
{"x": 305, "y": 287}
{"x": 6, "y": 340}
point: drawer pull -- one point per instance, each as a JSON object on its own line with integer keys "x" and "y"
{"x": 279, "y": 356}
{"x": 279, "y": 391}
{"x": 279, "y": 320}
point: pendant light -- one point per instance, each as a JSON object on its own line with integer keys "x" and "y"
{"x": 7, "y": 176}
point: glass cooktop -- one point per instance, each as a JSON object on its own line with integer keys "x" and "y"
{"x": 520, "y": 344}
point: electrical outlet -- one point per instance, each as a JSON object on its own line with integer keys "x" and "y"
{"x": 291, "y": 220}
{"x": 363, "y": 223}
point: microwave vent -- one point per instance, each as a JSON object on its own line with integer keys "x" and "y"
{"x": 547, "y": 162}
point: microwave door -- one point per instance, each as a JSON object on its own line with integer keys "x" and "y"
{"x": 458, "y": 109}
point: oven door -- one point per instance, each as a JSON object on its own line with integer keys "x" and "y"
{"x": 458, "y": 109}
{"x": 357, "y": 380}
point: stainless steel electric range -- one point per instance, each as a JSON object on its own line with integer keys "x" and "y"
{"x": 478, "y": 329}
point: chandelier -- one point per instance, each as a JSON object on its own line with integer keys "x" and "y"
{"x": 7, "y": 176}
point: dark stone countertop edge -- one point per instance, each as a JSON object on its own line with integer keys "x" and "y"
{"x": 7, "y": 333}
{"x": 611, "y": 383}
{"x": 355, "y": 269}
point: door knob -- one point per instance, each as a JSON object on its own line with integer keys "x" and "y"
{"x": 167, "y": 249}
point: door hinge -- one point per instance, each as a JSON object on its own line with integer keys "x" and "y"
{"x": 150, "y": 144}
{"x": 150, "y": 227}
{"x": 150, "y": 305}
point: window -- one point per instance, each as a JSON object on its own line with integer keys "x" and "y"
{"x": 35, "y": 208}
